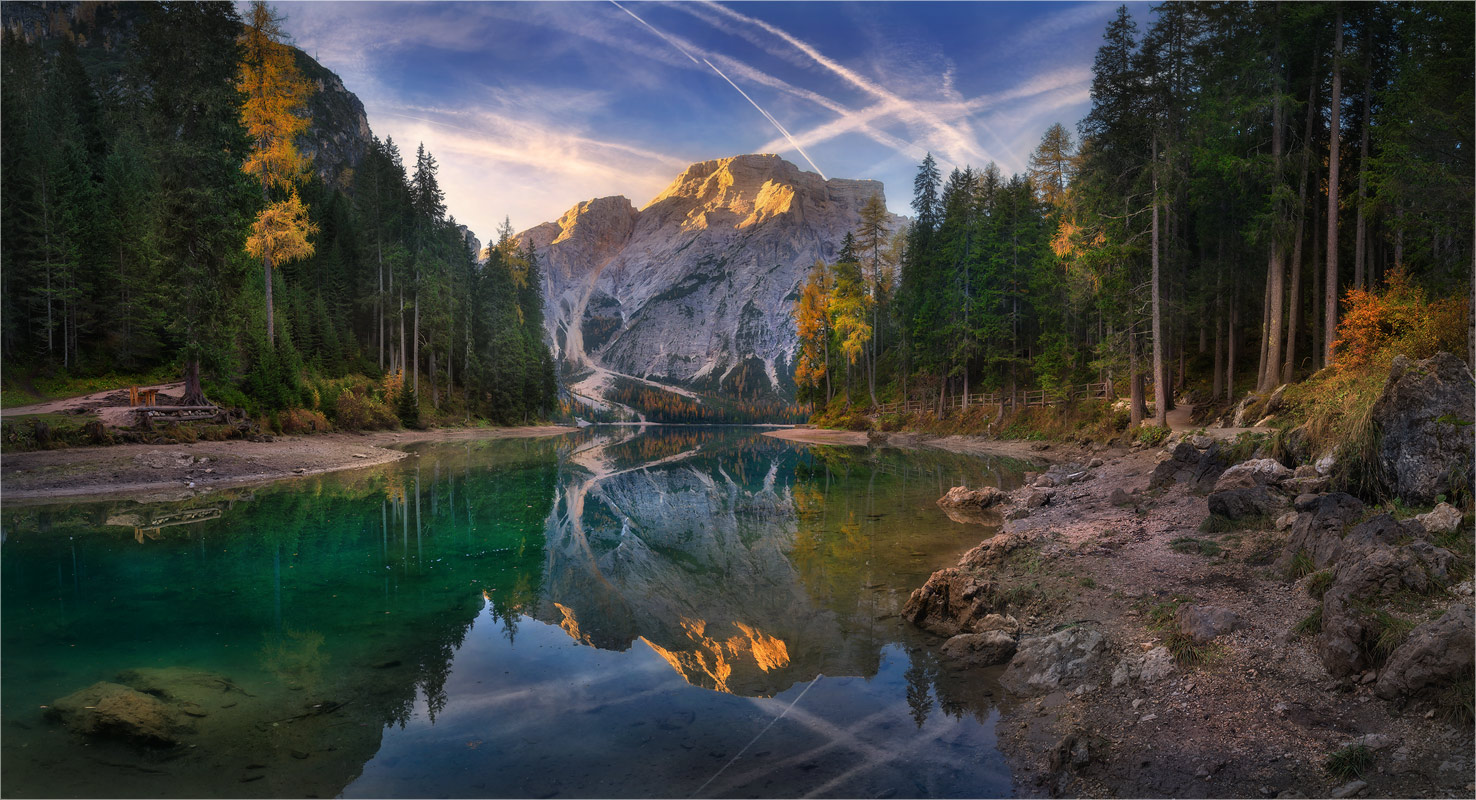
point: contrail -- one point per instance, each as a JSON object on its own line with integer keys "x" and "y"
{"x": 769, "y": 117}
{"x": 669, "y": 40}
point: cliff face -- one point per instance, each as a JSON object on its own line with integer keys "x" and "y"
{"x": 697, "y": 287}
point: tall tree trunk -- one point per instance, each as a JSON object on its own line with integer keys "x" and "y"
{"x": 1360, "y": 278}
{"x": 1231, "y": 327}
{"x": 379, "y": 304}
{"x": 1294, "y": 302}
{"x": 1274, "y": 267}
{"x": 1136, "y": 407}
{"x": 401, "y": 360}
{"x": 194, "y": 393}
{"x": 1160, "y": 373}
{"x": 1315, "y": 307}
{"x": 1330, "y": 301}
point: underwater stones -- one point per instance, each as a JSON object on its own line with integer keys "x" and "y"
{"x": 113, "y": 710}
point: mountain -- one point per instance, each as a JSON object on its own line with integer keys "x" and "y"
{"x": 339, "y": 133}
{"x": 695, "y": 289}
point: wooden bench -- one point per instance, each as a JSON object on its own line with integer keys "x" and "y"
{"x": 145, "y": 397}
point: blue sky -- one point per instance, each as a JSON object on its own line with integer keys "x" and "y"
{"x": 532, "y": 107}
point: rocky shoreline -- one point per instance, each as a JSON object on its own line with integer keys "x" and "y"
{"x": 1175, "y": 623}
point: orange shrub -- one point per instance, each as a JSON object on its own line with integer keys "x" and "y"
{"x": 302, "y": 420}
{"x": 1399, "y": 319}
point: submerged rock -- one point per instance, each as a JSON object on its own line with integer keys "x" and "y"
{"x": 114, "y": 710}
{"x": 979, "y": 649}
{"x": 1047, "y": 663}
{"x": 1424, "y": 417}
{"x": 964, "y": 497}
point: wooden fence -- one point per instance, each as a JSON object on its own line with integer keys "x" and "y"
{"x": 1027, "y": 399}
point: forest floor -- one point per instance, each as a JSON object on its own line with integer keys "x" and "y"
{"x": 1257, "y": 717}
{"x": 178, "y": 471}
{"x": 111, "y": 405}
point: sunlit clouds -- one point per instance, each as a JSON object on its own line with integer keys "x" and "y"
{"x": 532, "y": 107}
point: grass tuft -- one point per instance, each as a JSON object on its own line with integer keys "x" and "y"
{"x": 1456, "y": 702}
{"x": 1301, "y": 565}
{"x": 1319, "y": 583}
{"x": 1310, "y": 625}
{"x": 1349, "y": 762}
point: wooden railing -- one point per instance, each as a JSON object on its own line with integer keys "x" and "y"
{"x": 1029, "y": 398}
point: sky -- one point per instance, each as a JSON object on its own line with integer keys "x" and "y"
{"x": 532, "y": 107}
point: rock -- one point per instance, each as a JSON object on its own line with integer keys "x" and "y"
{"x": 1016, "y": 513}
{"x": 1301, "y": 486}
{"x": 1463, "y": 589}
{"x": 964, "y": 497}
{"x": 994, "y": 550}
{"x": 1120, "y": 497}
{"x": 1201, "y": 442}
{"x": 1318, "y": 529}
{"x": 1375, "y": 741}
{"x": 1035, "y": 498}
{"x": 1157, "y": 664}
{"x": 1326, "y": 464}
{"x": 1072, "y": 752}
{"x": 1435, "y": 653}
{"x": 1286, "y": 521}
{"x": 1047, "y": 663}
{"x": 952, "y": 601}
{"x": 979, "y": 649}
{"x": 110, "y": 709}
{"x": 1245, "y": 503}
{"x": 1255, "y": 472}
{"x": 1349, "y": 789}
{"x": 1045, "y": 482}
{"x": 1424, "y": 417}
{"x": 1189, "y": 465}
{"x": 1094, "y": 463}
{"x": 1040, "y": 447}
{"x": 1305, "y": 471}
{"x": 1445, "y": 518}
{"x": 1203, "y": 623}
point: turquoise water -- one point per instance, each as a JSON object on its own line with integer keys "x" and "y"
{"x": 619, "y": 612}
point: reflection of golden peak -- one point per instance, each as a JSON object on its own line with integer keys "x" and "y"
{"x": 570, "y": 624}
{"x": 711, "y": 664}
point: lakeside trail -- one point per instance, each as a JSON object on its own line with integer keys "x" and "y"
{"x": 178, "y": 471}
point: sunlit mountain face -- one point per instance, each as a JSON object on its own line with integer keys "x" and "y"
{"x": 337, "y": 630}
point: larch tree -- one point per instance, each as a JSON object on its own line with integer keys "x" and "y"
{"x": 812, "y": 324}
{"x": 273, "y": 113}
{"x": 1053, "y": 165}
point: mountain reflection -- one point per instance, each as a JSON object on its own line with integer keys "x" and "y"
{"x": 748, "y": 565}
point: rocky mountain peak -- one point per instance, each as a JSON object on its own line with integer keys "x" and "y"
{"x": 697, "y": 287}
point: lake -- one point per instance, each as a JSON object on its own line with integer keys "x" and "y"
{"x": 620, "y": 612}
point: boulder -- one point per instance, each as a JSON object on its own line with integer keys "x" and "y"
{"x": 1318, "y": 528}
{"x": 1119, "y": 497}
{"x": 1187, "y": 464}
{"x": 1203, "y": 623}
{"x": 953, "y": 601}
{"x": 114, "y": 710}
{"x": 994, "y": 550}
{"x": 1047, "y": 663}
{"x": 1255, "y": 472}
{"x": 964, "y": 497}
{"x": 1245, "y": 503}
{"x": 1436, "y": 653}
{"x": 1445, "y": 518}
{"x": 1035, "y": 498}
{"x": 1424, "y": 418}
{"x": 979, "y": 649}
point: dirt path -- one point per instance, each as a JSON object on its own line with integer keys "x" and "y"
{"x": 182, "y": 470}
{"x": 111, "y": 406}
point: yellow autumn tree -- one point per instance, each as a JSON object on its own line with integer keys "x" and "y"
{"x": 274, "y": 115}
{"x": 812, "y": 324}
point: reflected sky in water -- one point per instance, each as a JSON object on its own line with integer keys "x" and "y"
{"x": 621, "y": 612}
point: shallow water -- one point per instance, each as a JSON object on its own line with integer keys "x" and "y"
{"x": 621, "y": 612}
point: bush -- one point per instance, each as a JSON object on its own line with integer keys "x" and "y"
{"x": 1399, "y": 319}
{"x": 355, "y": 412}
{"x": 302, "y": 420}
{"x": 1152, "y": 435}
